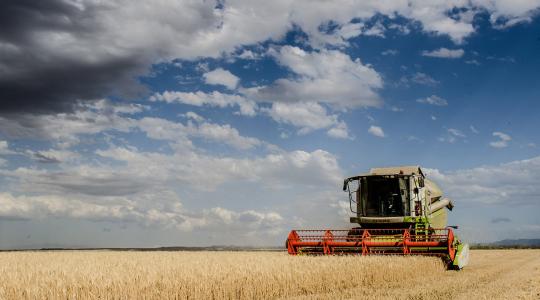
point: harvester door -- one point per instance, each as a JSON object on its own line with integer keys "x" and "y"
{"x": 416, "y": 203}
{"x": 404, "y": 191}
{"x": 354, "y": 190}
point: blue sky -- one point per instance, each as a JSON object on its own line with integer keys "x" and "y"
{"x": 192, "y": 123}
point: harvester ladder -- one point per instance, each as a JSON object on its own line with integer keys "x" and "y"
{"x": 421, "y": 231}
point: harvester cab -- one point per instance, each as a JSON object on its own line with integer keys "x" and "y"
{"x": 397, "y": 211}
{"x": 396, "y": 198}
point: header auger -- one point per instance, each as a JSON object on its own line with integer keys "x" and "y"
{"x": 398, "y": 211}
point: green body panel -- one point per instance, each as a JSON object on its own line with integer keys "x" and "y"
{"x": 439, "y": 219}
{"x": 462, "y": 256}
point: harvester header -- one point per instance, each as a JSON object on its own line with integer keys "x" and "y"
{"x": 398, "y": 211}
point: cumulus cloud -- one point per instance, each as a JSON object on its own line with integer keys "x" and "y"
{"x": 172, "y": 216}
{"x": 69, "y": 51}
{"x": 423, "y": 78}
{"x": 306, "y": 116}
{"x": 125, "y": 184}
{"x": 340, "y": 131}
{"x": 502, "y": 141}
{"x": 141, "y": 188}
{"x": 215, "y": 99}
{"x": 137, "y": 171}
{"x": 221, "y": 77}
{"x": 504, "y": 13}
{"x": 444, "y": 53}
{"x": 452, "y": 136}
{"x": 162, "y": 129}
{"x": 56, "y": 52}
{"x": 4, "y": 148}
{"x": 325, "y": 76}
{"x": 390, "y": 52}
{"x": 417, "y": 78}
{"x": 53, "y": 156}
{"x": 66, "y": 129}
{"x": 376, "y": 131}
{"x": 346, "y": 32}
{"x": 513, "y": 183}
{"x": 456, "y": 132}
{"x": 433, "y": 100}
{"x": 194, "y": 116}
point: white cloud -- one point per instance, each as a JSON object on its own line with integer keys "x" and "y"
{"x": 376, "y": 131}
{"x": 66, "y": 128}
{"x": 412, "y": 138}
{"x": 452, "y": 136}
{"x": 143, "y": 172}
{"x": 194, "y": 116}
{"x": 444, "y": 53}
{"x": 249, "y": 55}
{"x": 346, "y": 31}
{"x": 433, "y": 100}
{"x": 4, "y": 148}
{"x": 306, "y": 116}
{"x": 54, "y": 156}
{"x": 376, "y": 30}
{"x": 403, "y": 29}
{"x": 423, "y": 78}
{"x": 340, "y": 131}
{"x": 221, "y": 77}
{"x": 142, "y": 34}
{"x": 215, "y": 99}
{"x": 503, "y": 140}
{"x": 472, "y": 62}
{"x": 456, "y": 132}
{"x": 123, "y": 184}
{"x": 325, "y": 76}
{"x": 171, "y": 216}
{"x": 418, "y": 78}
{"x": 505, "y": 13}
{"x": 391, "y": 52}
{"x": 226, "y": 134}
{"x": 157, "y": 128}
{"x": 351, "y": 30}
{"x": 509, "y": 183}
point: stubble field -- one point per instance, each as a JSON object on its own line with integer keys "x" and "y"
{"x": 492, "y": 274}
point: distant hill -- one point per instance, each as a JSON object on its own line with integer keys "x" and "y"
{"x": 509, "y": 243}
{"x": 518, "y": 242}
{"x": 168, "y": 248}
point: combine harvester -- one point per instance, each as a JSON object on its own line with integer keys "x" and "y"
{"x": 400, "y": 212}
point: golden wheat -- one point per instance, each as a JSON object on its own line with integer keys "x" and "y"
{"x": 226, "y": 275}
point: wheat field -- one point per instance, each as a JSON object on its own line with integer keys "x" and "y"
{"x": 492, "y": 274}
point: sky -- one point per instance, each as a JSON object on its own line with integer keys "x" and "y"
{"x": 197, "y": 123}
